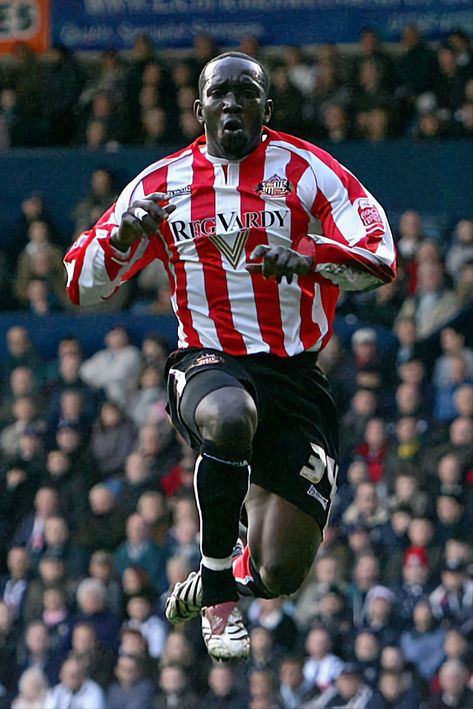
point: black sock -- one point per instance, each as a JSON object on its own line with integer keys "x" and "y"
{"x": 221, "y": 483}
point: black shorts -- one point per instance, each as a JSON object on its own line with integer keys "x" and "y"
{"x": 295, "y": 447}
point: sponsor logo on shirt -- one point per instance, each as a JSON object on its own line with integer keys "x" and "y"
{"x": 275, "y": 186}
{"x": 179, "y": 191}
{"x": 224, "y": 223}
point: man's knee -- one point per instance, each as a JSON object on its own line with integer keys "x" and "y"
{"x": 227, "y": 417}
{"x": 283, "y": 577}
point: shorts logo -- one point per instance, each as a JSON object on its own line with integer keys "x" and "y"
{"x": 370, "y": 216}
{"x": 206, "y": 358}
{"x": 275, "y": 186}
{"x": 313, "y": 492}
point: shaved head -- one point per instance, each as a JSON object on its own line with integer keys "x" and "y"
{"x": 260, "y": 74}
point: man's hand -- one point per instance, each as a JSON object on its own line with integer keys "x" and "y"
{"x": 280, "y": 262}
{"x": 141, "y": 219}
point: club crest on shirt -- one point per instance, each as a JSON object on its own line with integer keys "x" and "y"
{"x": 275, "y": 186}
{"x": 206, "y": 358}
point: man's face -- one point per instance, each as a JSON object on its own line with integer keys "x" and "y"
{"x": 233, "y": 107}
{"x": 348, "y": 685}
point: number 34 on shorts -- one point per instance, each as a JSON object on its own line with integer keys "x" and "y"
{"x": 317, "y": 466}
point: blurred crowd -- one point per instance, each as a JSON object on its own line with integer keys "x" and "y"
{"x": 98, "y": 519}
{"x": 97, "y": 513}
{"x": 144, "y": 97}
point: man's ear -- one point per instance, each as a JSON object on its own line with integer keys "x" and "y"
{"x": 268, "y": 111}
{"x": 198, "y": 110}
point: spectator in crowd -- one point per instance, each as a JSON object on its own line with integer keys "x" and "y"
{"x": 139, "y": 550}
{"x": 51, "y": 574}
{"x": 423, "y": 644}
{"x": 224, "y": 690}
{"x": 294, "y": 689}
{"x": 57, "y": 542}
{"x": 366, "y": 650}
{"x": 30, "y": 532}
{"x": 75, "y": 689}
{"x": 20, "y": 351}
{"x": 92, "y": 608}
{"x": 322, "y": 667}
{"x": 131, "y": 690}
{"x": 452, "y": 342}
{"x": 174, "y": 689}
{"x": 417, "y": 66}
{"x": 150, "y": 395}
{"x": 73, "y": 442}
{"x": 113, "y": 436}
{"x": 454, "y": 691}
{"x": 36, "y": 652}
{"x": 115, "y": 368}
{"x": 414, "y": 587}
{"x": 433, "y": 304}
{"x": 33, "y": 688}
{"x": 335, "y": 123}
{"x": 263, "y": 655}
{"x": 24, "y": 411}
{"x": 450, "y": 86}
{"x": 8, "y": 651}
{"x": 273, "y": 614}
{"x": 366, "y": 507}
{"x": 102, "y": 524}
{"x": 349, "y": 689}
{"x": 453, "y": 598}
{"x": 97, "y": 660}
{"x": 365, "y": 576}
{"x": 27, "y": 74}
{"x": 289, "y": 101}
{"x": 29, "y": 266}
{"x": 393, "y": 692}
{"x": 100, "y": 196}
{"x": 461, "y": 248}
{"x": 370, "y": 49}
{"x": 64, "y": 79}
{"x": 153, "y": 628}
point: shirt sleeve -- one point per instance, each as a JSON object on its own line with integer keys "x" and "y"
{"x": 95, "y": 269}
{"x": 356, "y": 249}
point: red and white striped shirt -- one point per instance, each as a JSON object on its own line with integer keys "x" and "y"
{"x": 224, "y": 209}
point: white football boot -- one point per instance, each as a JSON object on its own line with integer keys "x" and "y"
{"x": 224, "y": 633}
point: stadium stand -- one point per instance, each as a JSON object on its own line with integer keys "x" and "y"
{"x": 97, "y": 515}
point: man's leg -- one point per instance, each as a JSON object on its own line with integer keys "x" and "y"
{"x": 226, "y": 420}
{"x": 282, "y": 544}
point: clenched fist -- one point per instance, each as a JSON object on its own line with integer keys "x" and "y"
{"x": 279, "y": 262}
{"x": 141, "y": 219}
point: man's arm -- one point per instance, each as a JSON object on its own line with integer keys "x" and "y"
{"x": 356, "y": 250}
{"x": 356, "y": 247}
{"x": 119, "y": 245}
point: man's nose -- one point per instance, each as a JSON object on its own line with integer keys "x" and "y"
{"x": 230, "y": 102}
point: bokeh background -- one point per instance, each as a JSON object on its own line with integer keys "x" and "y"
{"x": 97, "y": 517}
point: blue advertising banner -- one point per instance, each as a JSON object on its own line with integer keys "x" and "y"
{"x": 103, "y": 24}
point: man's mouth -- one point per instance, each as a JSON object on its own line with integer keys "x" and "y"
{"x": 231, "y": 125}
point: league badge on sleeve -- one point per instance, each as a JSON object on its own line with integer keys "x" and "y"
{"x": 370, "y": 216}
